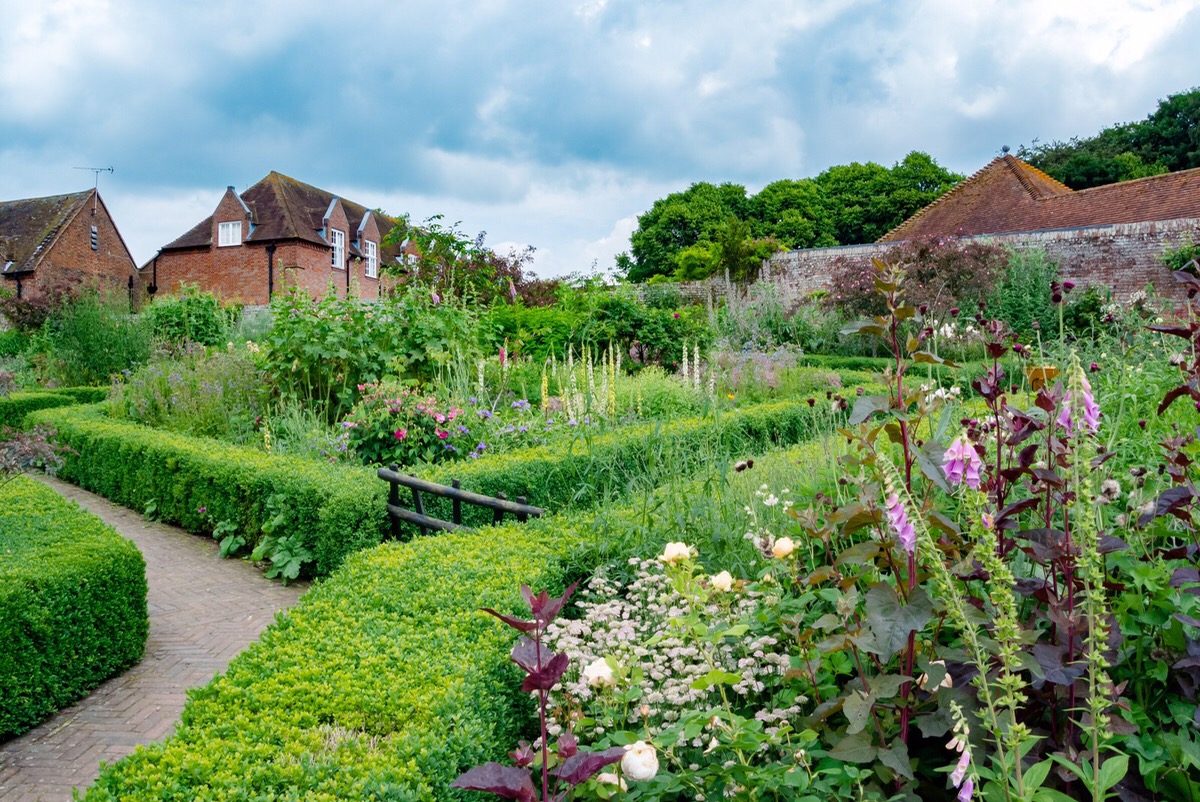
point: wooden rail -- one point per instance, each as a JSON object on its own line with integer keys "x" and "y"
{"x": 500, "y": 505}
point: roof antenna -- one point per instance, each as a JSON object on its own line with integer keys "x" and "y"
{"x": 96, "y": 187}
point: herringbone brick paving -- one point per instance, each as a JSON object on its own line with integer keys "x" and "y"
{"x": 203, "y": 611}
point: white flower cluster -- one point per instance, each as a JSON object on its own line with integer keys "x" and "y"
{"x": 632, "y": 628}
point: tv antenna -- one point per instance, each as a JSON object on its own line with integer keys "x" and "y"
{"x": 96, "y": 185}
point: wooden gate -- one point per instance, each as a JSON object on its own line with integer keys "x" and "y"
{"x": 500, "y": 505}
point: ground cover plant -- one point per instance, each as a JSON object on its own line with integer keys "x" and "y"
{"x": 72, "y": 601}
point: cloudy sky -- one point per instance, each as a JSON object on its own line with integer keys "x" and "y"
{"x": 552, "y": 123}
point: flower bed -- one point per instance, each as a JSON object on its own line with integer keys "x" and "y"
{"x": 72, "y": 604}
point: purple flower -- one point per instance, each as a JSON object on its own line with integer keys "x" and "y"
{"x": 433, "y": 296}
{"x": 202, "y": 510}
{"x": 961, "y": 463}
{"x": 898, "y": 518}
{"x": 967, "y": 789}
{"x": 1091, "y": 410}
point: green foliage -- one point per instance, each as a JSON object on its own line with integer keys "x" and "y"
{"x": 91, "y": 338}
{"x": 1167, "y": 140}
{"x": 1084, "y": 313}
{"x": 320, "y": 351}
{"x": 707, "y": 228}
{"x": 1181, "y": 257}
{"x": 1022, "y": 297}
{"x": 535, "y": 332}
{"x": 193, "y": 481}
{"x": 15, "y": 406}
{"x": 191, "y": 316}
{"x": 383, "y": 683}
{"x": 12, "y": 343}
{"x": 216, "y": 392}
{"x": 679, "y": 221}
{"x": 72, "y": 604}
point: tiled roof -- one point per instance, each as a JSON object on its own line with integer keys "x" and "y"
{"x": 29, "y": 227}
{"x": 1009, "y": 195}
{"x": 283, "y": 208}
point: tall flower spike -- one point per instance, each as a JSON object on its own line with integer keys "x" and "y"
{"x": 962, "y": 464}
{"x": 1085, "y": 407}
{"x": 898, "y": 519}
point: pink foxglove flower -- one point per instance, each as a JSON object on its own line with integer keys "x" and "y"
{"x": 966, "y": 790}
{"x": 1091, "y": 410}
{"x": 898, "y": 518}
{"x": 962, "y": 464}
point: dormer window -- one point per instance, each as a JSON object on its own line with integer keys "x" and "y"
{"x": 229, "y": 234}
{"x": 372, "y": 252}
{"x": 338, "y": 240}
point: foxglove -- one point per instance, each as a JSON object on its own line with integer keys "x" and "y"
{"x": 962, "y": 464}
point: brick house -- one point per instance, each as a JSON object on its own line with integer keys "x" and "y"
{"x": 278, "y": 233}
{"x": 59, "y": 241}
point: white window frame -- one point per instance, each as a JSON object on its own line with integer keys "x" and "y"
{"x": 337, "y": 239}
{"x": 372, "y": 251}
{"x": 229, "y": 234}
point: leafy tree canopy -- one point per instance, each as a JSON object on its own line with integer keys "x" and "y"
{"x": 707, "y": 228}
{"x": 1167, "y": 140}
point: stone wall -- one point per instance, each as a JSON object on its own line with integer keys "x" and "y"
{"x": 1120, "y": 259}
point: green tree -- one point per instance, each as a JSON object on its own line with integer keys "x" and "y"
{"x": 795, "y": 213}
{"x": 678, "y": 221}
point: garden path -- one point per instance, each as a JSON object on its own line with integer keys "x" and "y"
{"x": 203, "y": 611}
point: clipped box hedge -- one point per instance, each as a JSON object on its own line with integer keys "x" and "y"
{"x": 15, "y": 406}
{"x": 197, "y": 482}
{"x": 72, "y": 604}
{"x": 634, "y": 458}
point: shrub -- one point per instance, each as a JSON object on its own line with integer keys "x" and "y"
{"x": 191, "y": 316}
{"x": 534, "y": 332}
{"x": 91, "y": 338}
{"x": 1022, "y": 297}
{"x": 12, "y": 343}
{"x": 308, "y": 514}
{"x": 72, "y": 604}
{"x": 204, "y": 392}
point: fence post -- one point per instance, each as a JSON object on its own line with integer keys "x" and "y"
{"x": 522, "y": 517}
{"x": 419, "y": 507}
{"x": 394, "y": 500}
{"x": 456, "y": 504}
{"x": 498, "y": 515}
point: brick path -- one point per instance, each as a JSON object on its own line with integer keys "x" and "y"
{"x": 203, "y": 611}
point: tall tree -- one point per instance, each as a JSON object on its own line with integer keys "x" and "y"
{"x": 679, "y": 221}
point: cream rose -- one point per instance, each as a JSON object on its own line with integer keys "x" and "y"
{"x": 640, "y": 762}
{"x": 722, "y": 581}
{"x": 674, "y": 552}
{"x": 609, "y": 778}
{"x": 783, "y": 547}
{"x": 598, "y": 673}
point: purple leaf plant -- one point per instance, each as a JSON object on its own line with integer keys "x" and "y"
{"x": 567, "y": 766}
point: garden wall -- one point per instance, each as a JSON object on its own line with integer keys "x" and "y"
{"x": 1122, "y": 259}
{"x": 1119, "y": 258}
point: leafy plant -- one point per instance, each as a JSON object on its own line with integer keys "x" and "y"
{"x": 543, "y": 669}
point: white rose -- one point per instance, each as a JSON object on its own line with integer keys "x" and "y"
{"x": 640, "y": 762}
{"x": 722, "y": 581}
{"x": 674, "y": 552}
{"x": 609, "y": 778}
{"x": 783, "y": 547}
{"x": 598, "y": 673}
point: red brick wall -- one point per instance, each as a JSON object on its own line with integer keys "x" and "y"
{"x": 71, "y": 259}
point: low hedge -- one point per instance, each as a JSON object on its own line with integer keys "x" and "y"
{"x": 15, "y": 406}
{"x": 599, "y": 469}
{"x": 385, "y": 682}
{"x": 72, "y": 604}
{"x": 197, "y": 483}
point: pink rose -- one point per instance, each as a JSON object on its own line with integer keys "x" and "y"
{"x": 401, "y": 434}
{"x": 442, "y": 434}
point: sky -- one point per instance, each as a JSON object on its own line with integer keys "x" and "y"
{"x": 550, "y": 123}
